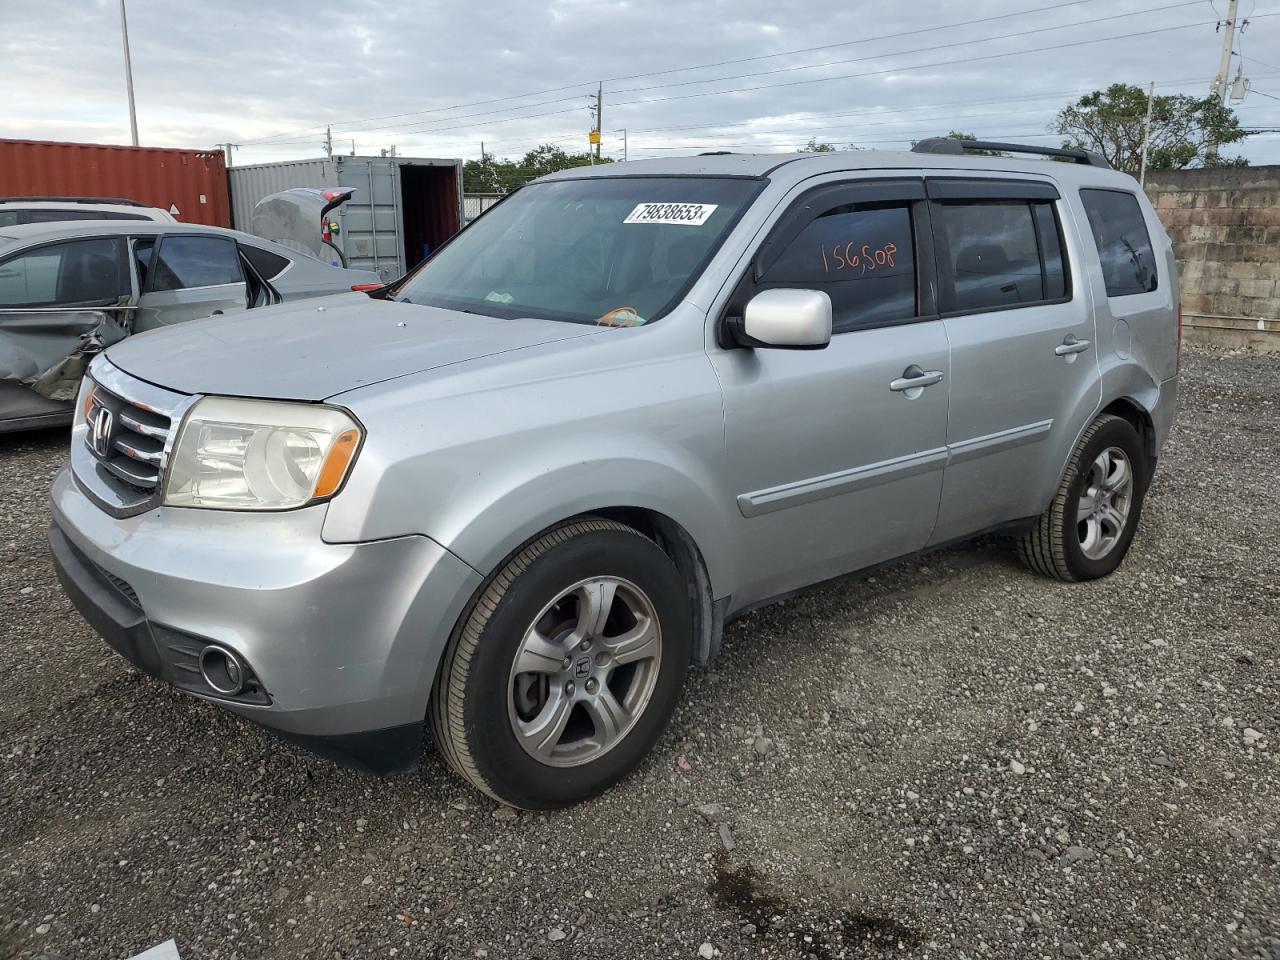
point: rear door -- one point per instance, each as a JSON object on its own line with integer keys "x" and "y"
{"x": 1019, "y": 320}
{"x": 835, "y": 456}
{"x": 187, "y": 276}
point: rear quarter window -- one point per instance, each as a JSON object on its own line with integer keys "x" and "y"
{"x": 1124, "y": 245}
{"x": 269, "y": 265}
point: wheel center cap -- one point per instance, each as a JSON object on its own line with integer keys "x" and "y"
{"x": 582, "y": 668}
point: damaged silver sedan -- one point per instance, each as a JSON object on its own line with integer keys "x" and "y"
{"x": 69, "y": 290}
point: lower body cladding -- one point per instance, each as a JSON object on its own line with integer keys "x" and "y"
{"x": 334, "y": 646}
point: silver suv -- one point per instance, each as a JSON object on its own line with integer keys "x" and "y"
{"x": 515, "y": 497}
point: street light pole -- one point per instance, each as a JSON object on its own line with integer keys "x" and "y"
{"x": 128, "y": 74}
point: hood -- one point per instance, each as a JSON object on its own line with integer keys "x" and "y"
{"x": 315, "y": 349}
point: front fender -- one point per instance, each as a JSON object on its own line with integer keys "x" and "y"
{"x": 482, "y": 464}
{"x": 489, "y": 532}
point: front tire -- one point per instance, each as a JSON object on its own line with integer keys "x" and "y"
{"x": 1087, "y": 529}
{"x": 567, "y": 669}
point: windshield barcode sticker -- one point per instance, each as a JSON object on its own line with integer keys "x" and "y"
{"x": 688, "y": 214}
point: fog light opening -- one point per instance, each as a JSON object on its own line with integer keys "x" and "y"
{"x": 222, "y": 670}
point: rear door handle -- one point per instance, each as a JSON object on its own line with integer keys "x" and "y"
{"x": 1071, "y": 345}
{"x": 913, "y": 378}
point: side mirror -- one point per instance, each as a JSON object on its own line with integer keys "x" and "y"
{"x": 787, "y": 319}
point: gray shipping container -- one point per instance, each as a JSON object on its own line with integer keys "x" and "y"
{"x": 403, "y": 208}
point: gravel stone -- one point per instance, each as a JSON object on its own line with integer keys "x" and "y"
{"x": 181, "y": 820}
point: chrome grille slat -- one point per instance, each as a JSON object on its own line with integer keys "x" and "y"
{"x": 132, "y": 419}
{"x": 140, "y": 448}
{"x": 132, "y": 472}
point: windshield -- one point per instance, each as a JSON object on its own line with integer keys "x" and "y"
{"x": 615, "y": 251}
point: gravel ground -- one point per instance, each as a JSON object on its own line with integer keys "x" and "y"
{"x": 950, "y": 758}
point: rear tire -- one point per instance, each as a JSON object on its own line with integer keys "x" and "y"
{"x": 566, "y": 671}
{"x": 1087, "y": 529}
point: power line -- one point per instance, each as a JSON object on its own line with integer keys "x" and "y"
{"x": 809, "y": 116}
{"x": 417, "y": 127}
{"x": 920, "y": 66}
{"x": 940, "y": 46}
{"x": 701, "y": 66}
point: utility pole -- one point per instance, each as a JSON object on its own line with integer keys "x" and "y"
{"x": 1146, "y": 134}
{"x": 328, "y": 142}
{"x": 227, "y": 148}
{"x": 128, "y": 74}
{"x": 624, "y": 144}
{"x": 1220, "y": 83}
{"x": 599, "y": 113}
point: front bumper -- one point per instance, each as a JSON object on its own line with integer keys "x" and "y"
{"x": 342, "y": 640}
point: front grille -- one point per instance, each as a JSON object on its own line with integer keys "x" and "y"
{"x": 127, "y": 439}
{"x": 120, "y": 447}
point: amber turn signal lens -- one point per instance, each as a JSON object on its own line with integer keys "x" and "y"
{"x": 334, "y": 471}
{"x": 88, "y": 399}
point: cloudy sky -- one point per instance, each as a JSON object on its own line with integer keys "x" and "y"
{"x": 437, "y": 79}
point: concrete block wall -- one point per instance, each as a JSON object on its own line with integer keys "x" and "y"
{"x": 1225, "y": 226}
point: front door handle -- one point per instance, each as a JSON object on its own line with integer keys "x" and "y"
{"x": 914, "y": 380}
{"x": 1071, "y": 346}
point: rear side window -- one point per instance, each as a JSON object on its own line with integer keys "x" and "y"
{"x": 185, "y": 262}
{"x": 1124, "y": 245}
{"x": 269, "y": 265}
{"x": 78, "y": 273}
{"x": 1001, "y": 253}
{"x": 861, "y": 255}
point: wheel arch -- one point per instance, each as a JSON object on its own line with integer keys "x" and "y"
{"x": 672, "y": 538}
{"x": 1127, "y": 408}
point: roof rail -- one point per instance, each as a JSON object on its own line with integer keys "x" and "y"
{"x": 716, "y": 153}
{"x": 116, "y": 200}
{"x": 958, "y": 147}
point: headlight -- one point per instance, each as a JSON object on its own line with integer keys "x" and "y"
{"x": 260, "y": 455}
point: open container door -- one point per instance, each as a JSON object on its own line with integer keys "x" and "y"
{"x": 431, "y": 208}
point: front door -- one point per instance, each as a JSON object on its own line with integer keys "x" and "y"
{"x": 186, "y": 277}
{"x": 1024, "y": 366}
{"x": 835, "y": 456}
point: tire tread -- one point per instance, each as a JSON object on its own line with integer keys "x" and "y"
{"x": 1042, "y": 548}
{"x": 447, "y": 698}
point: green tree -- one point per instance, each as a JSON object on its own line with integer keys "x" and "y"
{"x": 491, "y": 175}
{"x": 1185, "y": 131}
{"x": 482, "y": 176}
{"x": 813, "y": 146}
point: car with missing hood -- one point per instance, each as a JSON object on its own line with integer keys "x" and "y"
{"x": 69, "y": 289}
{"x": 512, "y": 497}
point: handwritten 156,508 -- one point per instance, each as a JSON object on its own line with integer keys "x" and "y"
{"x": 852, "y": 257}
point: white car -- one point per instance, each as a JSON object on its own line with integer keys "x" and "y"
{"x": 21, "y": 210}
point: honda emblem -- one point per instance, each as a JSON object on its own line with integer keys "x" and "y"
{"x": 102, "y": 432}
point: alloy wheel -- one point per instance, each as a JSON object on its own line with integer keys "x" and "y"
{"x": 1103, "y": 510}
{"x": 584, "y": 671}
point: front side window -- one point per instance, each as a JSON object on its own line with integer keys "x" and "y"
{"x": 861, "y": 255}
{"x": 185, "y": 262}
{"x": 611, "y": 251}
{"x": 89, "y": 272}
{"x": 1124, "y": 245}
